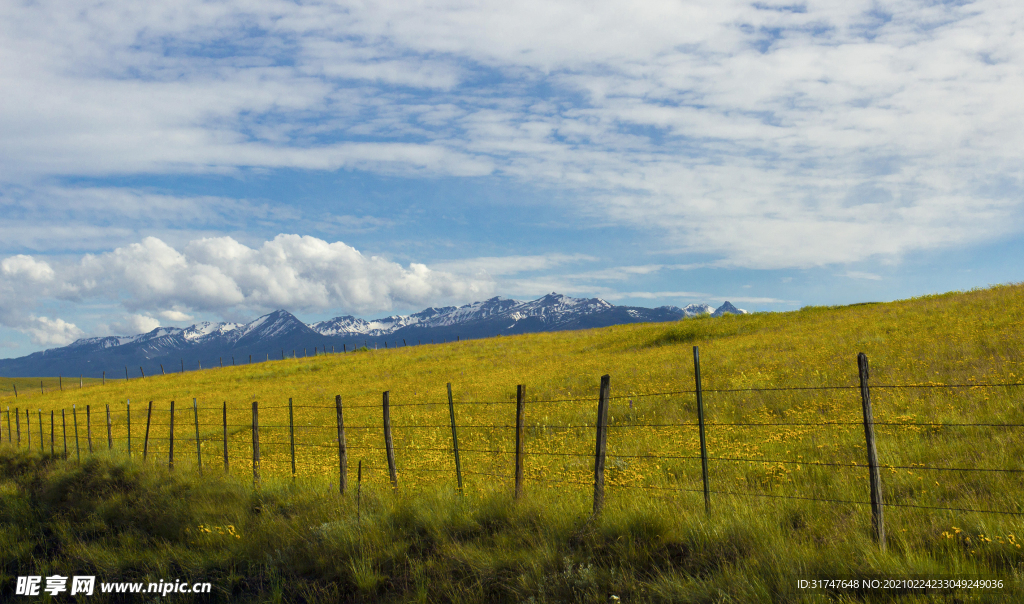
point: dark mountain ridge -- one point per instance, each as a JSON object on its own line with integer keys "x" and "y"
{"x": 280, "y": 334}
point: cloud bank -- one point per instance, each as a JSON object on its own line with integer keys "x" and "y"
{"x": 766, "y": 135}
{"x": 152, "y": 280}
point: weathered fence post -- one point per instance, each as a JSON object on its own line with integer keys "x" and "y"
{"x": 17, "y": 423}
{"x": 64, "y": 432}
{"x": 88, "y": 428}
{"x": 455, "y": 439}
{"x": 145, "y": 441}
{"x": 142, "y": 371}
{"x": 170, "y": 441}
{"x": 9, "y": 439}
{"x": 41, "y": 449}
{"x": 162, "y": 369}
{"x": 255, "y": 444}
{"x": 602, "y": 442}
{"x": 342, "y": 447}
{"x": 388, "y": 444}
{"x": 128, "y": 418}
{"x": 28, "y": 428}
{"x": 700, "y": 422}
{"x": 74, "y": 418}
{"x": 225, "y": 416}
{"x": 199, "y": 453}
{"x": 520, "y": 404}
{"x": 53, "y": 449}
{"x": 126, "y": 373}
{"x": 110, "y": 438}
{"x": 60, "y": 383}
{"x": 877, "y": 519}
{"x": 291, "y": 434}
{"x": 103, "y": 379}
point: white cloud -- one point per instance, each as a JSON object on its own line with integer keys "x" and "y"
{"x": 861, "y": 275}
{"x": 51, "y": 332}
{"x": 222, "y": 276}
{"x": 26, "y": 267}
{"x": 174, "y": 315}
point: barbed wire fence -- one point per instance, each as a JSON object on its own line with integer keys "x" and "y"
{"x": 206, "y": 437}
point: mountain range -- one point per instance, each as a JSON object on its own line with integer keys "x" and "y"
{"x": 280, "y": 334}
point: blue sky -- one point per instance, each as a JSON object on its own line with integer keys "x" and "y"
{"x": 162, "y": 165}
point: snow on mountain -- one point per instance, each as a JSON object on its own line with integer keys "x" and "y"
{"x": 552, "y": 310}
{"x": 206, "y": 330}
{"x": 693, "y": 310}
{"x": 728, "y": 308}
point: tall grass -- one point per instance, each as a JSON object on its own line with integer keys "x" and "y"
{"x": 287, "y": 542}
{"x": 753, "y": 547}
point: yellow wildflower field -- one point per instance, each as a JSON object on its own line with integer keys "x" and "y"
{"x": 782, "y": 408}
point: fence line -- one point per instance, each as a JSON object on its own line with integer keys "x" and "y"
{"x": 207, "y": 433}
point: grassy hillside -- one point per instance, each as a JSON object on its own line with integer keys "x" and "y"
{"x": 768, "y": 448}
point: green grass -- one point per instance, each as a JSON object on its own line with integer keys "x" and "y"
{"x": 292, "y": 543}
{"x": 653, "y": 543}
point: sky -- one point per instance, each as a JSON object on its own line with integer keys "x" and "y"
{"x": 168, "y": 163}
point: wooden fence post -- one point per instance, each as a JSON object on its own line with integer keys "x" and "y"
{"x": 9, "y": 439}
{"x": 170, "y": 441}
{"x": 700, "y": 422}
{"x": 520, "y": 408}
{"x": 74, "y": 418}
{"x": 291, "y": 434}
{"x": 88, "y": 428}
{"x": 162, "y": 369}
{"x": 602, "y": 443}
{"x": 142, "y": 371}
{"x": 53, "y": 449}
{"x": 342, "y": 448}
{"x": 60, "y": 383}
{"x": 41, "y": 449}
{"x": 17, "y": 424}
{"x": 359, "y": 487}
{"x": 110, "y": 438}
{"x": 145, "y": 441}
{"x": 199, "y": 453}
{"x": 388, "y": 444}
{"x": 255, "y": 445}
{"x": 877, "y": 519}
{"x": 103, "y": 379}
{"x": 225, "y": 416}
{"x": 64, "y": 431}
{"x": 126, "y": 373}
{"x": 455, "y": 439}
{"x": 28, "y": 428}
{"x": 128, "y": 417}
